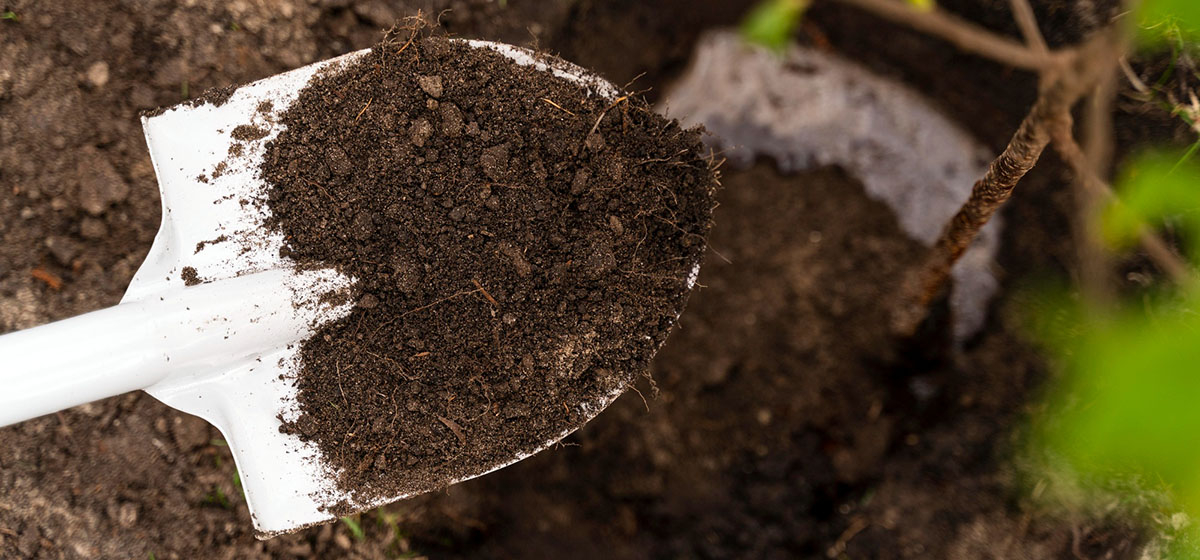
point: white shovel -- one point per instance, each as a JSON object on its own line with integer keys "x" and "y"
{"x": 219, "y": 350}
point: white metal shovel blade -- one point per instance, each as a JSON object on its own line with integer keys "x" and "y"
{"x": 213, "y": 223}
{"x": 254, "y": 307}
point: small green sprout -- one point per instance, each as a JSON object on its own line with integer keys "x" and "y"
{"x": 218, "y": 498}
{"x": 355, "y": 529}
{"x": 10, "y": 16}
{"x": 390, "y": 521}
{"x": 216, "y": 457}
{"x": 772, "y": 22}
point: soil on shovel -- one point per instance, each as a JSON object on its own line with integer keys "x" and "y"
{"x": 521, "y": 249}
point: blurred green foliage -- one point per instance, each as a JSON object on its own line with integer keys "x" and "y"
{"x": 355, "y": 528}
{"x": 1168, "y": 21}
{"x": 218, "y": 498}
{"x": 772, "y": 22}
{"x": 1155, "y": 185}
{"x": 1126, "y": 410}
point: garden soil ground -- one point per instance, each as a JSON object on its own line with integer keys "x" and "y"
{"x": 776, "y": 431}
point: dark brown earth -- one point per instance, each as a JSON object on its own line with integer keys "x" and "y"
{"x": 521, "y": 248}
{"x": 190, "y": 276}
{"x": 774, "y": 434}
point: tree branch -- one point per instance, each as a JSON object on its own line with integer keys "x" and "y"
{"x": 1159, "y": 252}
{"x": 1096, "y": 149}
{"x": 1063, "y": 88}
{"x": 1023, "y": 13}
{"x": 1066, "y": 76}
{"x": 964, "y": 34}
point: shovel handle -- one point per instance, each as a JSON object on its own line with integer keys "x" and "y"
{"x": 78, "y": 360}
{"x": 173, "y": 337}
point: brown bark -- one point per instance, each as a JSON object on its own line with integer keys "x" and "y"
{"x": 1052, "y": 109}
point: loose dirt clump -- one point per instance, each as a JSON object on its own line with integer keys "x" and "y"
{"x": 246, "y": 133}
{"x": 216, "y": 97}
{"x": 521, "y": 249}
{"x": 189, "y": 276}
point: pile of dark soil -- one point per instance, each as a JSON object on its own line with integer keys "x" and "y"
{"x": 521, "y": 248}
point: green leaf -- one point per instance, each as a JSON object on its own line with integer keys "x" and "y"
{"x": 1155, "y": 185}
{"x": 10, "y": 16}
{"x": 1168, "y": 21}
{"x": 1135, "y": 393}
{"x": 772, "y": 22}
{"x": 218, "y": 498}
{"x": 1125, "y": 414}
{"x": 355, "y": 528}
{"x": 237, "y": 482}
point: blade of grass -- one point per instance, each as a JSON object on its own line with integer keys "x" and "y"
{"x": 355, "y": 529}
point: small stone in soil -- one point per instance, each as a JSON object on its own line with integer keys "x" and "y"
{"x": 431, "y": 85}
{"x": 99, "y": 183}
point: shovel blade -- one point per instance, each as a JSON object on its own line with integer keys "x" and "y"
{"x": 207, "y": 156}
